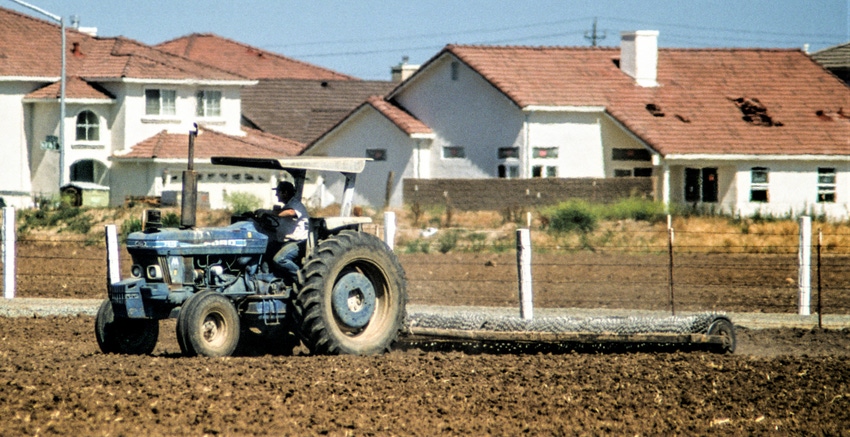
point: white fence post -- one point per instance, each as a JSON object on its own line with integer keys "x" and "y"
{"x": 389, "y": 229}
{"x": 9, "y": 252}
{"x": 113, "y": 267}
{"x": 523, "y": 257}
{"x": 804, "y": 262}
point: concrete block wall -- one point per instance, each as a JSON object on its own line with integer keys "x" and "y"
{"x": 499, "y": 194}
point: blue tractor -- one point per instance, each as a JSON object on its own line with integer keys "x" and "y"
{"x": 221, "y": 285}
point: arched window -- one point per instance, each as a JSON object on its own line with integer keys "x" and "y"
{"x": 88, "y": 170}
{"x": 88, "y": 126}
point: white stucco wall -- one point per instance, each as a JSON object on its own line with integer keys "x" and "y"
{"x": 152, "y": 179}
{"x": 138, "y": 126}
{"x": 15, "y": 185}
{"x": 466, "y": 112}
{"x": 579, "y": 139}
{"x": 368, "y": 129}
{"x": 792, "y": 189}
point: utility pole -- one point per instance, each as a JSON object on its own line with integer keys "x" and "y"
{"x": 593, "y": 36}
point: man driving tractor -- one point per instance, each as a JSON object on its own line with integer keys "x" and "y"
{"x": 291, "y": 229}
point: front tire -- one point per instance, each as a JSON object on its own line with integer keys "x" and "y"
{"x": 124, "y": 336}
{"x": 208, "y": 325}
{"x": 353, "y": 297}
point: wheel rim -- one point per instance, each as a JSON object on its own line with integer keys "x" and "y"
{"x": 214, "y": 330}
{"x": 354, "y": 301}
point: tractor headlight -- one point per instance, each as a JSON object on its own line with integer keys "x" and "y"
{"x": 154, "y": 272}
{"x": 136, "y": 271}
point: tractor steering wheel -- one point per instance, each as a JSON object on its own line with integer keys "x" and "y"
{"x": 266, "y": 219}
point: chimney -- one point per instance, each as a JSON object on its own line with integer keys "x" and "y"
{"x": 75, "y": 24}
{"x": 402, "y": 71}
{"x": 639, "y": 56}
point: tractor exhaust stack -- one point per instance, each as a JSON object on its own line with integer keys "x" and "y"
{"x": 189, "y": 200}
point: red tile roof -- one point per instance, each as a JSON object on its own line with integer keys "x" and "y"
{"x": 208, "y": 143}
{"x": 75, "y": 88}
{"x": 245, "y": 60}
{"x": 698, "y": 95}
{"x": 30, "y": 47}
{"x": 401, "y": 118}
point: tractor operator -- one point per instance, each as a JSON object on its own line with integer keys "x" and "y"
{"x": 291, "y": 229}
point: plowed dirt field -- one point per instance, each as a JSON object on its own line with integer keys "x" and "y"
{"x": 55, "y": 381}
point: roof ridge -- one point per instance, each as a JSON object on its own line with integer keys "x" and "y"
{"x": 195, "y": 35}
{"x": 243, "y": 139}
{"x": 144, "y": 46}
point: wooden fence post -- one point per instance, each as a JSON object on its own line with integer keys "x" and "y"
{"x": 113, "y": 269}
{"x": 670, "y": 237}
{"x": 389, "y": 229}
{"x": 804, "y": 264}
{"x": 523, "y": 256}
{"x": 8, "y": 249}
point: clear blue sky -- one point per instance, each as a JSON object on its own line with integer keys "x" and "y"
{"x": 364, "y": 38}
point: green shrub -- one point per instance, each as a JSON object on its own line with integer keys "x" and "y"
{"x": 573, "y": 215}
{"x": 171, "y": 220}
{"x": 129, "y": 226}
{"x": 240, "y": 202}
{"x": 447, "y": 241}
{"x": 636, "y": 209}
{"x": 79, "y": 224}
{"x": 417, "y": 246}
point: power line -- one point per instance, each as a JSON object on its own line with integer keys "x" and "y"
{"x": 432, "y": 35}
{"x": 593, "y": 36}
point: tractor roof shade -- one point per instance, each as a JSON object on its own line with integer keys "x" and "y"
{"x": 318, "y": 163}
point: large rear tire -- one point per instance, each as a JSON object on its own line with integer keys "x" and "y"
{"x": 124, "y": 336}
{"x": 209, "y": 326}
{"x": 353, "y": 297}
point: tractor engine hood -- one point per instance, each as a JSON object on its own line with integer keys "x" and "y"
{"x": 241, "y": 238}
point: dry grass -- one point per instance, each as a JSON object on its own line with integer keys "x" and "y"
{"x": 495, "y": 231}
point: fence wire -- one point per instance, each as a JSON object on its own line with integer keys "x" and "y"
{"x": 482, "y": 271}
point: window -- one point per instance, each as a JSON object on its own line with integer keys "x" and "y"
{"x": 209, "y": 103}
{"x": 621, "y": 173}
{"x": 508, "y": 152}
{"x": 643, "y": 172}
{"x": 544, "y": 152}
{"x": 88, "y": 126}
{"x": 544, "y": 171}
{"x": 453, "y": 152}
{"x": 826, "y": 185}
{"x": 160, "y": 102}
{"x": 630, "y": 155}
{"x": 758, "y": 184}
{"x": 701, "y": 184}
{"x": 87, "y": 170}
{"x": 377, "y": 154}
{"x": 455, "y": 70}
{"x": 508, "y": 171}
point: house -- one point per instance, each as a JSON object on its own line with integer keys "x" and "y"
{"x": 129, "y": 109}
{"x": 835, "y": 59}
{"x": 292, "y": 99}
{"x": 742, "y": 131}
